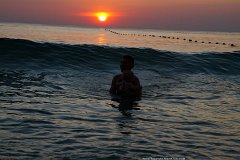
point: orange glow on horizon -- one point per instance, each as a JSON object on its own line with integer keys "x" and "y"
{"x": 92, "y": 14}
{"x": 102, "y": 17}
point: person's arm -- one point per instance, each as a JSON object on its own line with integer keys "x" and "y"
{"x": 136, "y": 86}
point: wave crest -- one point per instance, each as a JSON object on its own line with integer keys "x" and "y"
{"x": 20, "y": 53}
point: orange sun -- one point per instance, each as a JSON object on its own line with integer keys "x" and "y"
{"x": 102, "y": 16}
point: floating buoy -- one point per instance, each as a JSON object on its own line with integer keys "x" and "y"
{"x": 190, "y": 40}
{"x": 203, "y": 42}
{"x": 217, "y": 43}
{"x": 195, "y": 41}
{"x": 224, "y": 43}
{"x": 209, "y": 42}
{"x": 232, "y": 45}
{"x": 184, "y": 39}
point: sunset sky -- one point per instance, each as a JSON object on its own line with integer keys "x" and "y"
{"x": 213, "y": 15}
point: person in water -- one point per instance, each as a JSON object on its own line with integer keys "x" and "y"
{"x": 126, "y": 84}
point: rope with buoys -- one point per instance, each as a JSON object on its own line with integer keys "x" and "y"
{"x": 152, "y": 35}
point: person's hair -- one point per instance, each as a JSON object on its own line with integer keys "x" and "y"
{"x": 130, "y": 58}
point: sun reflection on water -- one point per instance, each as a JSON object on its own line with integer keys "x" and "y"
{"x": 101, "y": 40}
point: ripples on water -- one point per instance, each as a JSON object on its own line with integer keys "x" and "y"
{"x": 55, "y": 103}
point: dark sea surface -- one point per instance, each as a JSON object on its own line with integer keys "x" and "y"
{"x": 55, "y": 104}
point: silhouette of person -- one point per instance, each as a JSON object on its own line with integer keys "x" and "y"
{"x": 126, "y": 85}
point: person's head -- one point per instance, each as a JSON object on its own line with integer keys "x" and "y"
{"x": 127, "y": 63}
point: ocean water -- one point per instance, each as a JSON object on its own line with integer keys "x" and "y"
{"x": 55, "y": 104}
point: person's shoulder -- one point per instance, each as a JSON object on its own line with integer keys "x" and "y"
{"x": 117, "y": 76}
{"x": 135, "y": 77}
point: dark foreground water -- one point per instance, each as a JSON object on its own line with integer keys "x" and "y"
{"x": 54, "y": 103}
